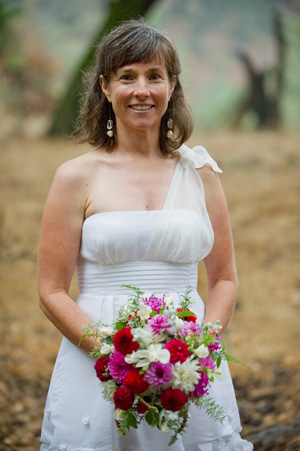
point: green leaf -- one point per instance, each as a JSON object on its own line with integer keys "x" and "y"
{"x": 153, "y": 409}
{"x": 137, "y": 290}
{"x": 107, "y": 340}
{"x": 212, "y": 409}
{"x": 231, "y": 358}
{"x": 173, "y": 440}
{"x": 131, "y": 421}
{"x": 153, "y": 313}
{"x": 120, "y": 325}
{"x": 219, "y": 360}
{"x": 144, "y": 369}
{"x": 185, "y": 313}
{"x": 149, "y": 417}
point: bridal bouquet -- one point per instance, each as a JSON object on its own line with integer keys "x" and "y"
{"x": 155, "y": 361}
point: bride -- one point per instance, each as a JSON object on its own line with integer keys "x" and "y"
{"x": 132, "y": 211}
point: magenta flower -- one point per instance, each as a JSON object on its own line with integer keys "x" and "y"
{"x": 202, "y": 386}
{"x": 158, "y": 374}
{"x": 189, "y": 328}
{"x": 207, "y": 362}
{"x": 217, "y": 345}
{"x": 159, "y": 323}
{"x": 117, "y": 366}
{"x": 154, "y": 302}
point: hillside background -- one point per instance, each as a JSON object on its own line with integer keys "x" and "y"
{"x": 51, "y": 37}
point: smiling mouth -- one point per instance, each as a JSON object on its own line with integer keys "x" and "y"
{"x": 141, "y": 107}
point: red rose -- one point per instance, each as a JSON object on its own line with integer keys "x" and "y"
{"x": 141, "y": 408}
{"x": 192, "y": 318}
{"x": 179, "y": 351}
{"x": 101, "y": 367}
{"x": 173, "y": 399}
{"x": 123, "y": 398}
{"x": 135, "y": 382}
{"x": 123, "y": 341}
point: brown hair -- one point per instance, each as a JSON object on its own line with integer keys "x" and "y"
{"x": 131, "y": 42}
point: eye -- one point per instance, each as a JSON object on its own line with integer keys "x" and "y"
{"x": 155, "y": 77}
{"x": 126, "y": 77}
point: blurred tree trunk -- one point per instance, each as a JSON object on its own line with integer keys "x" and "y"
{"x": 66, "y": 113}
{"x": 265, "y": 86}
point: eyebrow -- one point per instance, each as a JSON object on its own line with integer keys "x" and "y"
{"x": 126, "y": 69}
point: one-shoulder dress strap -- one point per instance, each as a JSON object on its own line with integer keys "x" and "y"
{"x": 197, "y": 157}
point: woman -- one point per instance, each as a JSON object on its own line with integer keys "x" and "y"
{"x": 132, "y": 211}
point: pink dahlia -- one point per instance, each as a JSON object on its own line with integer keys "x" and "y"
{"x": 159, "y": 323}
{"x": 207, "y": 362}
{"x": 158, "y": 374}
{"x": 154, "y": 302}
{"x": 117, "y": 366}
{"x": 202, "y": 387}
{"x": 189, "y": 328}
{"x": 179, "y": 351}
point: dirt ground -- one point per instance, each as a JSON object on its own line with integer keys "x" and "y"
{"x": 262, "y": 185}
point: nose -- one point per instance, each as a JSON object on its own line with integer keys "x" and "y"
{"x": 141, "y": 88}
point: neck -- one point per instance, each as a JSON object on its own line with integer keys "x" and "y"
{"x": 143, "y": 143}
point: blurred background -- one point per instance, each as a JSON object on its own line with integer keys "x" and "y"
{"x": 240, "y": 69}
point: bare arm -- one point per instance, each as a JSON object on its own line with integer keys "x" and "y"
{"x": 59, "y": 247}
{"x": 220, "y": 266}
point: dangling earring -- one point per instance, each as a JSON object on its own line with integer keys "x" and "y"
{"x": 109, "y": 127}
{"x": 110, "y": 124}
{"x": 170, "y": 128}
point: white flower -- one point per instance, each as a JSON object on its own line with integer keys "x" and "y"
{"x": 159, "y": 338}
{"x": 105, "y": 332}
{"x": 124, "y": 312}
{"x": 171, "y": 416}
{"x": 109, "y": 388}
{"x": 142, "y": 335}
{"x": 144, "y": 311}
{"x": 202, "y": 351}
{"x": 144, "y": 357}
{"x": 164, "y": 427}
{"x": 105, "y": 348}
{"x": 169, "y": 300}
{"x": 185, "y": 375}
{"x": 216, "y": 327}
{"x": 119, "y": 414}
{"x": 178, "y": 323}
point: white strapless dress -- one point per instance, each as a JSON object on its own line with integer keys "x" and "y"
{"x": 158, "y": 252}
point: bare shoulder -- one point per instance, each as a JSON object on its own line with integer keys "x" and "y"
{"x": 210, "y": 178}
{"x": 70, "y": 187}
{"x": 214, "y": 195}
{"x": 76, "y": 170}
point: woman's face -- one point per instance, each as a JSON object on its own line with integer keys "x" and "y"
{"x": 139, "y": 94}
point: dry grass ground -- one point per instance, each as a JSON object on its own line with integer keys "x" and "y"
{"x": 262, "y": 182}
